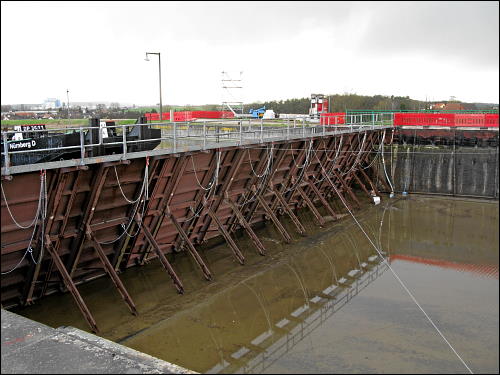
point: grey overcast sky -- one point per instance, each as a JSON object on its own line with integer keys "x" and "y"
{"x": 284, "y": 49}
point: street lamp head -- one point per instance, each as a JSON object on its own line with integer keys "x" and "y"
{"x": 147, "y": 57}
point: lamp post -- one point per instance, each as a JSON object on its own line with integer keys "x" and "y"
{"x": 67, "y": 96}
{"x": 159, "y": 71}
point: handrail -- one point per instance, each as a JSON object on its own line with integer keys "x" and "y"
{"x": 177, "y": 135}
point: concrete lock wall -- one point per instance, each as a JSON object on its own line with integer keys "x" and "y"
{"x": 459, "y": 171}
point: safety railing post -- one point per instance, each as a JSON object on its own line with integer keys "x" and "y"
{"x": 6, "y": 151}
{"x": 99, "y": 137}
{"x": 287, "y": 129}
{"x": 204, "y": 135}
{"x": 82, "y": 146}
{"x": 241, "y": 131}
{"x": 124, "y": 141}
{"x": 261, "y": 130}
{"x": 175, "y": 136}
{"x": 303, "y": 127}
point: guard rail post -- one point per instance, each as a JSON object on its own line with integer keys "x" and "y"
{"x": 124, "y": 141}
{"x": 241, "y": 131}
{"x": 175, "y": 136}
{"x": 261, "y": 130}
{"x": 204, "y": 135}
{"x": 6, "y": 151}
{"x": 82, "y": 146}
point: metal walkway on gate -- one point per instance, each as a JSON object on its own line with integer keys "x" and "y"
{"x": 187, "y": 136}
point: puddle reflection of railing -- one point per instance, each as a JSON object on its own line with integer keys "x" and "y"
{"x": 269, "y": 346}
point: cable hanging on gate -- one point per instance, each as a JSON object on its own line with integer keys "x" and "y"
{"x": 144, "y": 194}
{"x": 41, "y": 215}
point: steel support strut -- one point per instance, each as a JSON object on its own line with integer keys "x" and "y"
{"x": 77, "y": 247}
{"x": 311, "y": 206}
{"x": 258, "y": 245}
{"x": 62, "y": 229}
{"x": 289, "y": 211}
{"x": 275, "y": 220}
{"x": 347, "y": 188}
{"x": 52, "y": 207}
{"x": 71, "y": 286}
{"x": 322, "y": 199}
{"x": 164, "y": 261}
{"x": 111, "y": 271}
{"x": 191, "y": 249}
{"x": 236, "y": 251}
{"x": 360, "y": 183}
{"x": 374, "y": 188}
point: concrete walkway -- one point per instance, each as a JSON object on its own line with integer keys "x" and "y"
{"x": 29, "y": 347}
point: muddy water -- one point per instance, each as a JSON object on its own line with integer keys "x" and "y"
{"x": 304, "y": 308}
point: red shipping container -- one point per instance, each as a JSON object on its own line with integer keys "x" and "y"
{"x": 337, "y": 118}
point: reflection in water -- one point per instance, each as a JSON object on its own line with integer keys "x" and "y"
{"x": 255, "y": 318}
{"x": 268, "y": 347}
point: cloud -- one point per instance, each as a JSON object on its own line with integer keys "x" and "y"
{"x": 461, "y": 32}
{"x": 286, "y": 49}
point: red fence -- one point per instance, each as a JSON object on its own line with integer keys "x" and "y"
{"x": 446, "y": 119}
{"x": 190, "y": 115}
{"x": 337, "y": 118}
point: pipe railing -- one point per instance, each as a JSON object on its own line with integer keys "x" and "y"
{"x": 205, "y": 134}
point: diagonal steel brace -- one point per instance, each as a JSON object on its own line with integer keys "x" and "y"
{"x": 111, "y": 271}
{"x": 259, "y": 246}
{"x": 164, "y": 261}
{"x": 275, "y": 220}
{"x": 71, "y": 285}
{"x": 289, "y": 211}
{"x": 190, "y": 247}
{"x": 236, "y": 251}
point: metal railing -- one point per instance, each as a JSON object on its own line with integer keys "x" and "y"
{"x": 124, "y": 142}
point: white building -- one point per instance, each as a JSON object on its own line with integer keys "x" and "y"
{"x": 51, "y": 103}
